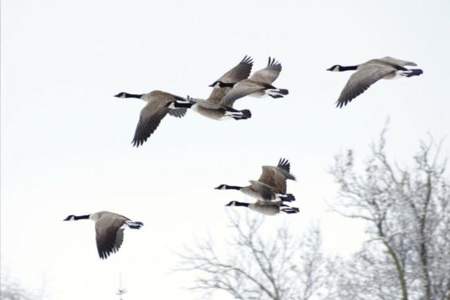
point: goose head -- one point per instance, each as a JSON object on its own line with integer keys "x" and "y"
{"x": 70, "y": 218}
{"x": 221, "y": 84}
{"x": 215, "y": 84}
{"x": 232, "y": 203}
{"x": 335, "y": 68}
{"x": 221, "y": 187}
{"x": 76, "y": 218}
{"x": 121, "y": 95}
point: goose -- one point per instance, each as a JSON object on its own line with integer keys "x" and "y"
{"x": 266, "y": 208}
{"x": 271, "y": 185}
{"x": 370, "y": 72}
{"x": 213, "y": 107}
{"x": 259, "y": 84}
{"x": 159, "y": 104}
{"x": 109, "y": 228}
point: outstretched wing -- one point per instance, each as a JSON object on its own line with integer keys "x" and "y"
{"x": 152, "y": 114}
{"x": 149, "y": 119}
{"x": 361, "y": 80}
{"x": 217, "y": 94}
{"x": 239, "y": 72}
{"x": 109, "y": 235}
{"x": 236, "y": 74}
{"x": 265, "y": 190}
{"x": 284, "y": 164}
{"x": 178, "y": 112}
{"x": 241, "y": 89}
{"x": 269, "y": 74}
{"x": 273, "y": 177}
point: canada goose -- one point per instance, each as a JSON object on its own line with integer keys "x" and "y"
{"x": 108, "y": 230}
{"x": 159, "y": 104}
{"x": 259, "y": 84}
{"x": 213, "y": 107}
{"x": 270, "y": 186}
{"x": 370, "y": 72}
{"x": 266, "y": 208}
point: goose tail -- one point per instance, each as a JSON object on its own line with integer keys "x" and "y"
{"x": 277, "y": 93}
{"x": 412, "y": 72}
{"x": 134, "y": 224}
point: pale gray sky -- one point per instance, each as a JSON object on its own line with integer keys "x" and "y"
{"x": 65, "y": 141}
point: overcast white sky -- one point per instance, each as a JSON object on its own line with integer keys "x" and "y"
{"x": 65, "y": 141}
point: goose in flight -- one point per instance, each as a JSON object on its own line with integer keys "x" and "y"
{"x": 108, "y": 230}
{"x": 370, "y": 72}
{"x": 271, "y": 185}
{"x": 159, "y": 104}
{"x": 259, "y": 84}
{"x": 266, "y": 208}
{"x": 213, "y": 107}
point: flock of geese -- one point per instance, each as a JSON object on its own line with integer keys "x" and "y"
{"x": 269, "y": 191}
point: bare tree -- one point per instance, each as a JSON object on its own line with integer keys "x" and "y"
{"x": 11, "y": 290}
{"x": 258, "y": 266}
{"x": 408, "y": 222}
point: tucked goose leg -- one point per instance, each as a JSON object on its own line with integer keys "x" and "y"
{"x": 286, "y": 197}
{"x": 290, "y": 210}
{"x": 277, "y": 93}
{"x": 134, "y": 224}
{"x": 238, "y": 114}
{"x": 411, "y": 72}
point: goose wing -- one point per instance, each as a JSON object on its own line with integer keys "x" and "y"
{"x": 217, "y": 94}
{"x": 174, "y": 112}
{"x": 178, "y": 112}
{"x": 241, "y": 89}
{"x": 109, "y": 234}
{"x": 361, "y": 80}
{"x": 151, "y": 115}
{"x": 274, "y": 178}
{"x": 398, "y": 62}
{"x": 269, "y": 74}
{"x": 265, "y": 190}
{"x": 239, "y": 72}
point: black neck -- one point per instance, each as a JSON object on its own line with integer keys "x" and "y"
{"x": 223, "y": 84}
{"x": 237, "y": 203}
{"x": 128, "y": 95}
{"x": 347, "y": 68}
{"x": 81, "y": 217}
{"x": 232, "y": 187}
{"x": 183, "y": 104}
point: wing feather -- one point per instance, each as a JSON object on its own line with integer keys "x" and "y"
{"x": 178, "y": 112}
{"x": 152, "y": 114}
{"x": 274, "y": 178}
{"x": 109, "y": 235}
{"x": 361, "y": 80}
{"x": 241, "y": 89}
{"x": 269, "y": 74}
{"x": 239, "y": 72}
